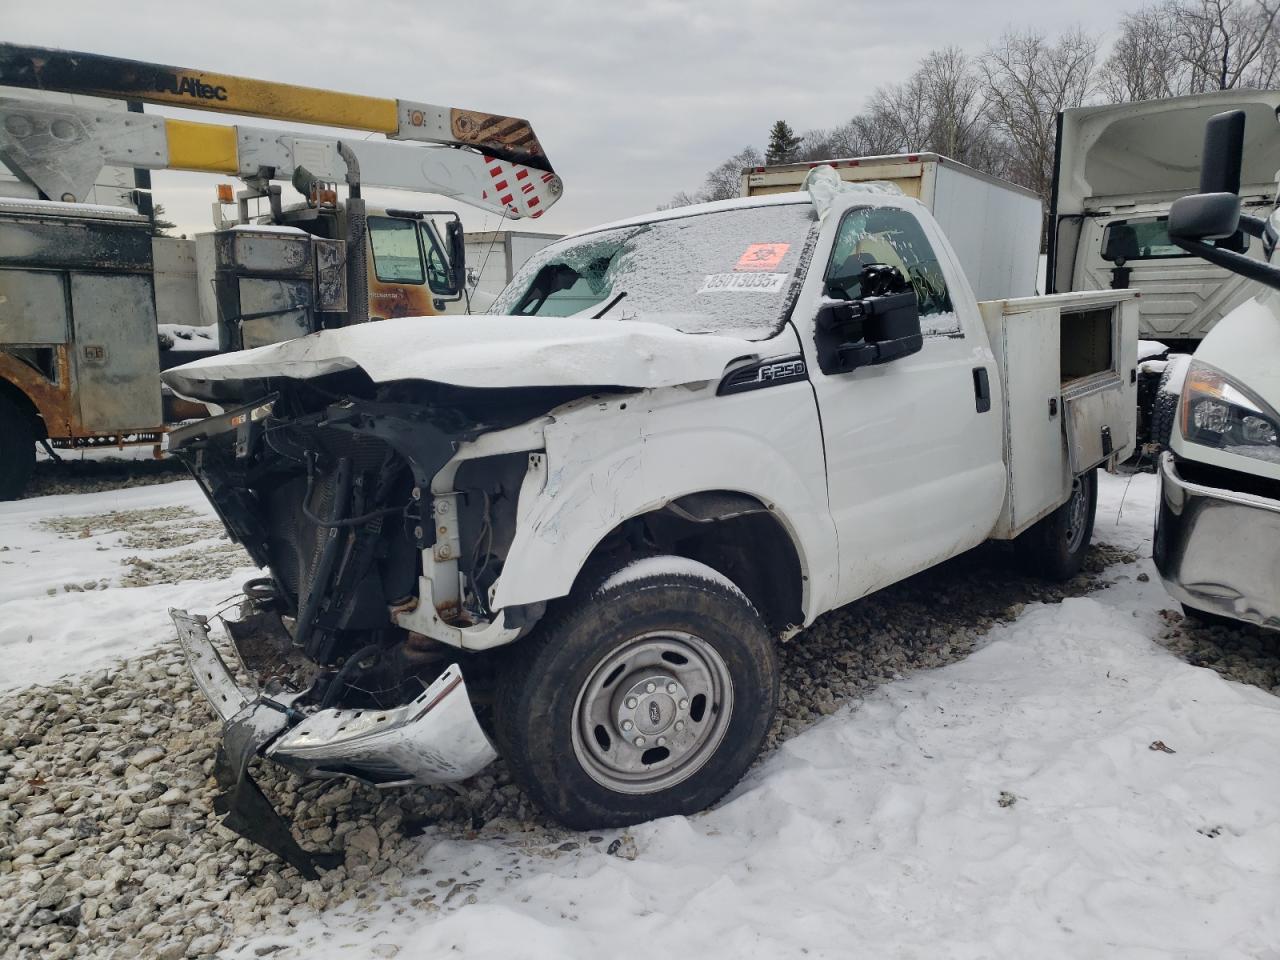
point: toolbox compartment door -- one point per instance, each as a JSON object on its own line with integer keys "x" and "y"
{"x": 1099, "y": 420}
{"x": 1099, "y": 382}
{"x": 117, "y": 354}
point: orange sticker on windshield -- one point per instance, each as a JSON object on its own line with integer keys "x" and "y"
{"x": 762, "y": 256}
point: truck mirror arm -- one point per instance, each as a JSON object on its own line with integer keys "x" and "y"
{"x": 1256, "y": 270}
{"x": 1253, "y": 226}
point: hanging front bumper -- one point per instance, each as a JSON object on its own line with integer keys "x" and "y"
{"x": 433, "y": 739}
{"x": 1218, "y": 550}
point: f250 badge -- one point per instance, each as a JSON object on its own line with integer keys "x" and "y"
{"x": 766, "y": 373}
{"x": 780, "y": 371}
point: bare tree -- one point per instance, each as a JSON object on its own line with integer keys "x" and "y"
{"x": 902, "y": 110}
{"x": 1146, "y": 62}
{"x": 939, "y": 107}
{"x": 723, "y": 182}
{"x": 1227, "y": 43}
{"x": 1190, "y": 46}
{"x": 869, "y": 135}
{"x": 1029, "y": 80}
{"x": 958, "y": 126}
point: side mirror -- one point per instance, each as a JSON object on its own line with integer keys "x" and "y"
{"x": 1204, "y": 216}
{"x": 457, "y": 253}
{"x": 1223, "y": 153}
{"x": 1122, "y": 244}
{"x": 1214, "y": 212}
{"x": 873, "y": 330}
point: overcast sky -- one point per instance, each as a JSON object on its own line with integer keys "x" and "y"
{"x": 632, "y": 101}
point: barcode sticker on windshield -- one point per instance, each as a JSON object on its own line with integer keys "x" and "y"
{"x": 743, "y": 282}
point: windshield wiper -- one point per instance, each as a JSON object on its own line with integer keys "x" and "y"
{"x": 610, "y": 305}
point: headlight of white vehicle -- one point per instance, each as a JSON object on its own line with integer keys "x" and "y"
{"x": 1220, "y": 413}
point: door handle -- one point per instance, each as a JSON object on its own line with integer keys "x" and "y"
{"x": 981, "y": 389}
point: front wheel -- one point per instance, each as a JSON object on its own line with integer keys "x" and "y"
{"x": 17, "y": 450}
{"x": 1055, "y": 546}
{"x": 645, "y": 696}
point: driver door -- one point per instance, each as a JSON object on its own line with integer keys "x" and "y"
{"x": 915, "y": 471}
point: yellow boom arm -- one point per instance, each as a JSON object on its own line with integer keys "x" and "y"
{"x": 495, "y": 163}
{"x": 39, "y": 68}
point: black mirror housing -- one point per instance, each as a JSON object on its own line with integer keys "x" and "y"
{"x": 457, "y": 243}
{"x": 1223, "y": 153}
{"x": 1122, "y": 244}
{"x": 874, "y": 330}
{"x": 1204, "y": 216}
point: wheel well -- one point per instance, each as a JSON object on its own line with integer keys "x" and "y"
{"x": 733, "y": 533}
{"x": 24, "y": 405}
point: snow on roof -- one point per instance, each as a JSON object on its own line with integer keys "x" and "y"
{"x": 696, "y": 209}
{"x": 267, "y": 228}
{"x": 100, "y": 211}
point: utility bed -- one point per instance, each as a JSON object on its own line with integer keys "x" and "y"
{"x": 1086, "y": 344}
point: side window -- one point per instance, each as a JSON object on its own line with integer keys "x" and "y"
{"x": 397, "y": 257}
{"x": 1147, "y": 238}
{"x": 895, "y": 237}
{"x": 439, "y": 277}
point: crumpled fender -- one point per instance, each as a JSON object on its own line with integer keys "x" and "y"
{"x": 607, "y": 461}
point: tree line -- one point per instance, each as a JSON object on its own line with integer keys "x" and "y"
{"x": 997, "y": 111}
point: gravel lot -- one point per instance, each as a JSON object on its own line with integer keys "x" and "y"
{"x": 98, "y": 472}
{"x": 107, "y": 843}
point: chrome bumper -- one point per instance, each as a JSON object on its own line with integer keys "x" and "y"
{"x": 434, "y": 739}
{"x": 1218, "y": 550}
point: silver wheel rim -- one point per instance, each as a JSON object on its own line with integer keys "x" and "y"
{"x": 1077, "y": 510}
{"x": 652, "y": 712}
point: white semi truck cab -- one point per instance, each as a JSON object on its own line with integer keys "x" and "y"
{"x": 1118, "y": 170}
{"x": 1217, "y": 542}
{"x": 677, "y": 440}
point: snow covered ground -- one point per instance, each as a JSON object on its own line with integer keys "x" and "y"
{"x": 87, "y": 579}
{"x": 1071, "y": 789}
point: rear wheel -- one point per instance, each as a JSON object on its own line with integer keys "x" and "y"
{"x": 17, "y": 449}
{"x": 644, "y": 697}
{"x": 1055, "y": 546}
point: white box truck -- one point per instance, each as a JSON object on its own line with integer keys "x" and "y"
{"x": 994, "y": 225}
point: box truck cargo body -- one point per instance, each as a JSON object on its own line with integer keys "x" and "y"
{"x": 494, "y": 256}
{"x": 993, "y": 225}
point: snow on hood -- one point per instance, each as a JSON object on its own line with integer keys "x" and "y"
{"x": 478, "y": 351}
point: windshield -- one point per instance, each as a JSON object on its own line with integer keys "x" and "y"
{"x": 728, "y": 272}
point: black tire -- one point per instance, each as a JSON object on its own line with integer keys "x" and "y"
{"x": 1163, "y": 407}
{"x": 1055, "y": 546}
{"x": 17, "y": 449}
{"x": 545, "y": 697}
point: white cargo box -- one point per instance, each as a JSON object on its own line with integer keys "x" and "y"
{"x": 1068, "y": 373}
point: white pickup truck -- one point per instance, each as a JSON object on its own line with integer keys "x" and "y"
{"x": 680, "y": 439}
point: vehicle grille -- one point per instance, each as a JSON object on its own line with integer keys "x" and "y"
{"x": 295, "y": 543}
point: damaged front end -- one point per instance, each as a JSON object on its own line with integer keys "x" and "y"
{"x": 333, "y": 486}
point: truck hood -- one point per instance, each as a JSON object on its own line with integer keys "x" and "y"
{"x": 477, "y": 351}
{"x": 1245, "y": 345}
{"x": 1119, "y": 152}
